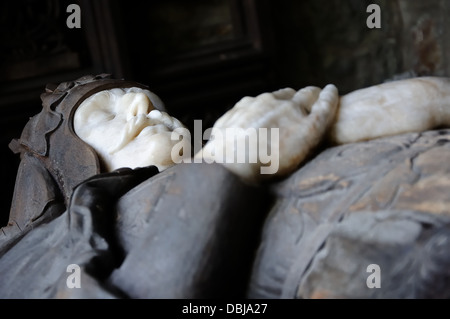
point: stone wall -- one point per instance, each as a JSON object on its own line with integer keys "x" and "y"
{"x": 328, "y": 41}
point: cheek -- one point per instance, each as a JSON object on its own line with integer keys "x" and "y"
{"x": 101, "y": 135}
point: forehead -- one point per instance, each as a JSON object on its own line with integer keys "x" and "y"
{"x": 109, "y": 97}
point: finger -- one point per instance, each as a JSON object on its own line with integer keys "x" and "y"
{"x": 327, "y": 101}
{"x": 306, "y": 97}
{"x": 284, "y": 94}
{"x": 322, "y": 115}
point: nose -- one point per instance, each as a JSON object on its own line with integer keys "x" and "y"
{"x": 136, "y": 103}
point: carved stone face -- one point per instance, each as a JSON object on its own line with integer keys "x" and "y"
{"x": 125, "y": 128}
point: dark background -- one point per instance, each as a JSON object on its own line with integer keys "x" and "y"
{"x": 202, "y": 56}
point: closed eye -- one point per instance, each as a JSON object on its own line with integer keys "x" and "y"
{"x": 101, "y": 116}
